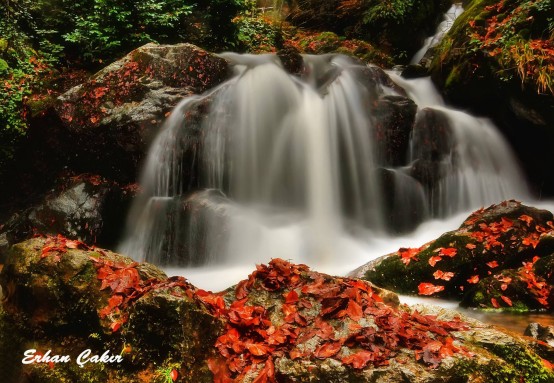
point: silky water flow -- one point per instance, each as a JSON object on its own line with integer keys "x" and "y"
{"x": 271, "y": 164}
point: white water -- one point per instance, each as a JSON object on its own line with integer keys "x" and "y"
{"x": 295, "y": 160}
{"x": 448, "y": 20}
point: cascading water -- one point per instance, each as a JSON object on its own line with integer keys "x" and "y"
{"x": 442, "y": 29}
{"x": 270, "y": 164}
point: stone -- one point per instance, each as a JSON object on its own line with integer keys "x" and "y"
{"x": 480, "y": 263}
{"x": 84, "y": 207}
{"x": 114, "y": 115}
{"x": 280, "y": 324}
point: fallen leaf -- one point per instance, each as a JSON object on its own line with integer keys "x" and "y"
{"x": 429, "y": 288}
{"x": 434, "y": 259}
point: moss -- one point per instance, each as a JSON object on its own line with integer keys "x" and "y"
{"x": 3, "y": 66}
{"x": 11, "y": 347}
{"x": 528, "y": 367}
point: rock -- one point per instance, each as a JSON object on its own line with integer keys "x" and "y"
{"x": 404, "y": 199}
{"x": 113, "y": 116}
{"x": 180, "y": 235}
{"x": 414, "y": 71}
{"x": 393, "y": 121}
{"x": 519, "y": 290}
{"x": 432, "y": 135}
{"x": 64, "y": 296}
{"x": 543, "y": 333}
{"x": 85, "y": 207}
{"x": 292, "y": 60}
{"x": 284, "y": 323}
{"x": 485, "y": 253}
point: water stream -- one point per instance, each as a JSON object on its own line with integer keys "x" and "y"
{"x": 271, "y": 164}
{"x": 274, "y": 165}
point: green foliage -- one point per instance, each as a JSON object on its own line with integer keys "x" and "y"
{"x": 257, "y": 34}
{"x": 21, "y": 67}
{"x": 509, "y": 40}
{"x": 103, "y": 29}
{"x": 387, "y": 11}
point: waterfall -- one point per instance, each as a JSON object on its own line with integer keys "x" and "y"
{"x": 442, "y": 29}
{"x": 271, "y": 164}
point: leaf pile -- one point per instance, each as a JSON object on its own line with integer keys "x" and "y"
{"x": 126, "y": 286}
{"x": 285, "y": 310}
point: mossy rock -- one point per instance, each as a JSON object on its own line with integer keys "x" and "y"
{"x": 490, "y": 63}
{"x": 491, "y": 240}
{"x": 510, "y": 290}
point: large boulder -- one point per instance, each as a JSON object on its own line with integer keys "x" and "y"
{"x": 284, "y": 323}
{"x": 497, "y": 61}
{"x": 480, "y": 263}
{"x": 85, "y": 207}
{"x": 115, "y": 114}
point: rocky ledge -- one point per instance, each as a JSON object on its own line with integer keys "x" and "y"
{"x": 500, "y": 258}
{"x": 284, "y": 323}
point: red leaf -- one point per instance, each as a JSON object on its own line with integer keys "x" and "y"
{"x": 429, "y": 288}
{"x": 439, "y": 274}
{"x": 359, "y": 360}
{"x": 327, "y": 350}
{"x": 174, "y": 375}
{"x": 495, "y": 303}
{"x": 219, "y": 370}
{"x": 354, "y": 310}
{"x": 547, "y": 364}
{"x": 531, "y": 240}
{"x": 471, "y": 246}
{"x": 448, "y": 252}
{"x": 291, "y": 297}
{"x": 507, "y": 300}
{"x": 474, "y": 279}
{"x": 115, "y": 326}
{"x": 407, "y": 254}
{"x": 434, "y": 259}
{"x": 257, "y": 349}
{"x": 527, "y": 219}
{"x": 492, "y": 264}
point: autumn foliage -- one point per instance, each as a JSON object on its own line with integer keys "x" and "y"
{"x": 308, "y": 315}
{"x": 494, "y": 251}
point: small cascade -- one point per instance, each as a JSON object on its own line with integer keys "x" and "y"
{"x": 271, "y": 164}
{"x": 442, "y": 29}
{"x": 465, "y": 158}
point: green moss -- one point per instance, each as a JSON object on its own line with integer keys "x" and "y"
{"x": 528, "y": 367}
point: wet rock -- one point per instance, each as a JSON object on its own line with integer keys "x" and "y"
{"x": 415, "y": 71}
{"x": 180, "y": 234}
{"x": 543, "y": 333}
{"x": 404, "y": 199}
{"x": 523, "y": 106}
{"x": 544, "y": 336}
{"x": 480, "y": 262}
{"x": 393, "y": 121}
{"x": 85, "y": 207}
{"x": 292, "y": 60}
